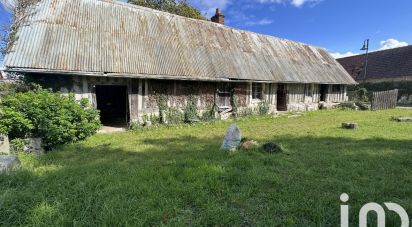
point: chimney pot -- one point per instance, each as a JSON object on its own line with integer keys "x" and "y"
{"x": 218, "y": 17}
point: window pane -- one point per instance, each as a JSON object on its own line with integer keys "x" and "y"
{"x": 309, "y": 90}
{"x": 336, "y": 88}
{"x": 257, "y": 91}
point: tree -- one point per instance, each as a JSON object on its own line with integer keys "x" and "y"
{"x": 19, "y": 13}
{"x": 181, "y": 8}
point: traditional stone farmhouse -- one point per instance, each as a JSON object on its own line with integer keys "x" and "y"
{"x": 383, "y": 66}
{"x": 120, "y": 56}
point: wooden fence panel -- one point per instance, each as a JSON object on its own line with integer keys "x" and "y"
{"x": 383, "y": 100}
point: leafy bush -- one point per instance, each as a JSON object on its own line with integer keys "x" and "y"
{"x": 55, "y": 118}
{"x": 263, "y": 108}
{"x": 174, "y": 116}
{"x": 7, "y": 89}
{"x": 358, "y": 94}
{"x": 210, "y": 113}
{"x": 247, "y": 111}
{"x": 17, "y": 146}
{"x": 152, "y": 118}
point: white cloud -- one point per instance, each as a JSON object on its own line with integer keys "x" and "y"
{"x": 391, "y": 43}
{"x": 337, "y": 55}
{"x": 208, "y": 7}
{"x": 259, "y": 22}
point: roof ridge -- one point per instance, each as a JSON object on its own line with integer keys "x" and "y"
{"x": 378, "y": 51}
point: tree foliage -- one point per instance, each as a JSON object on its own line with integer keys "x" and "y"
{"x": 8, "y": 31}
{"x": 182, "y": 8}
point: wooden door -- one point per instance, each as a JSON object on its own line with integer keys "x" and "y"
{"x": 281, "y": 98}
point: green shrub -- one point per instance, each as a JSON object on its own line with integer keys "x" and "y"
{"x": 135, "y": 126}
{"x": 55, "y": 118}
{"x": 210, "y": 113}
{"x": 7, "y": 89}
{"x": 174, "y": 116}
{"x": 358, "y": 94}
{"x": 17, "y": 146}
{"x": 152, "y": 118}
{"x": 247, "y": 111}
{"x": 263, "y": 108}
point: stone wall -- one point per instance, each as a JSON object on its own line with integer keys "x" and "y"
{"x": 179, "y": 91}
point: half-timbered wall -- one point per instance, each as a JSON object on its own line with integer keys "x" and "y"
{"x": 142, "y": 92}
{"x": 303, "y": 97}
{"x": 337, "y": 95}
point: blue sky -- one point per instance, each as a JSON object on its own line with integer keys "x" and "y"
{"x": 340, "y": 26}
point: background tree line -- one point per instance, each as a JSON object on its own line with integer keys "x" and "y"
{"x": 182, "y": 8}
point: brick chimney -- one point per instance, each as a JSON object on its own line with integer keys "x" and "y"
{"x": 218, "y": 17}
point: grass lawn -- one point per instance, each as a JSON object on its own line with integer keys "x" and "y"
{"x": 178, "y": 176}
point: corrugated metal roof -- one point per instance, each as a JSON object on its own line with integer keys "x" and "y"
{"x": 111, "y": 37}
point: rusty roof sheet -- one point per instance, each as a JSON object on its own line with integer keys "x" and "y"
{"x": 113, "y": 37}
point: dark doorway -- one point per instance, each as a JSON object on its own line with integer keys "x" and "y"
{"x": 281, "y": 98}
{"x": 112, "y": 101}
{"x": 323, "y": 92}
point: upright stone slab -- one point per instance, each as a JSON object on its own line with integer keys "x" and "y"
{"x": 34, "y": 146}
{"x": 232, "y": 138}
{"x": 4, "y": 145}
{"x": 8, "y": 162}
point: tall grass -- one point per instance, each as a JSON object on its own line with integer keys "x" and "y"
{"x": 178, "y": 176}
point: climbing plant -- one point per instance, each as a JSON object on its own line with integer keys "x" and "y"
{"x": 234, "y": 102}
{"x": 191, "y": 109}
{"x": 174, "y": 116}
{"x": 161, "y": 101}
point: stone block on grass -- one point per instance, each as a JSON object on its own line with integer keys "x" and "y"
{"x": 349, "y": 125}
{"x": 8, "y": 163}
